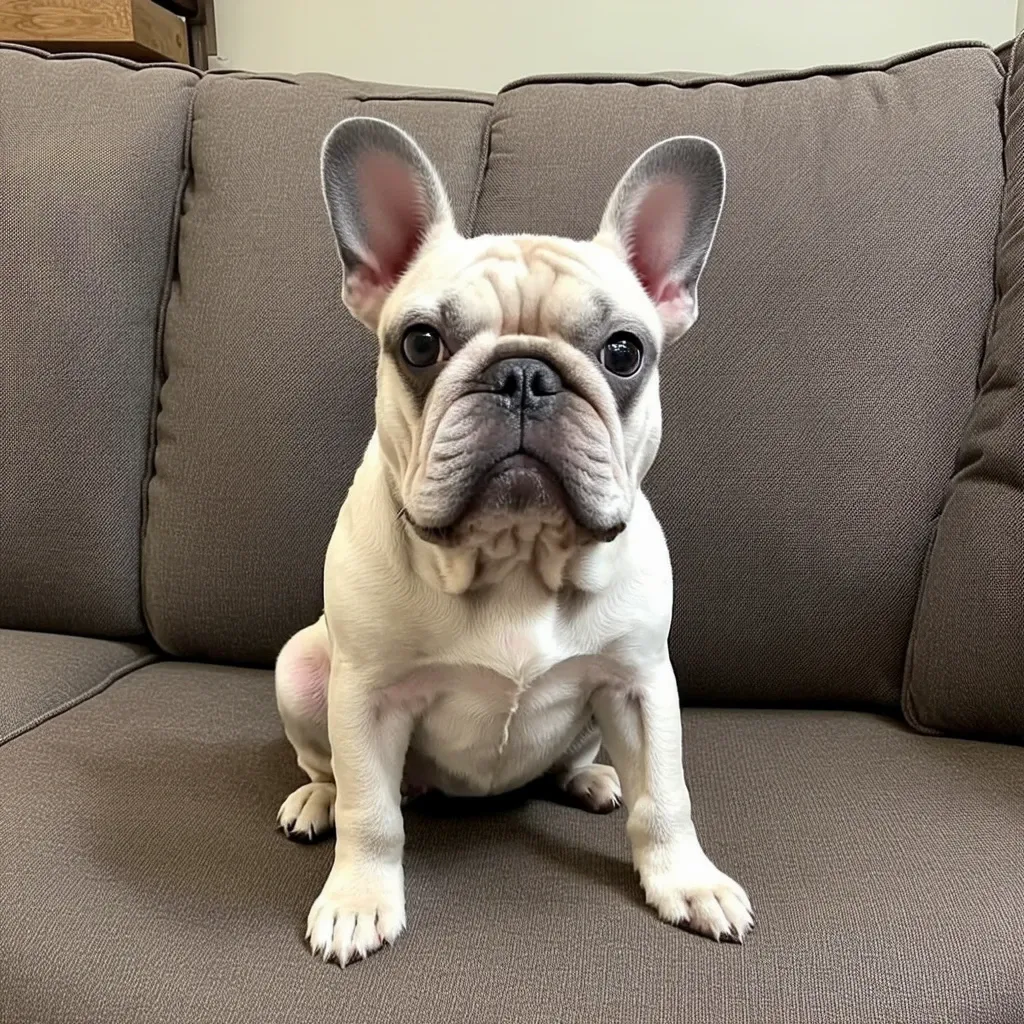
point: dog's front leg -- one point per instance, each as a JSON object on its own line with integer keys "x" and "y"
{"x": 642, "y": 732}
{"x": 362, "y": 904}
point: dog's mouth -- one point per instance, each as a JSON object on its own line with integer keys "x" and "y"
{"x": 517, "y": 486}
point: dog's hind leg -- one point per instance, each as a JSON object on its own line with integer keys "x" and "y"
{"x": 594, "y": 787}
{"x": 300, "y": 681}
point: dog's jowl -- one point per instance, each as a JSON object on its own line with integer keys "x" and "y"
{"x": 497, "y": 589}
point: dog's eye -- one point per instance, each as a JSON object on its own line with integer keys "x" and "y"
{"x": 622, "y": 354}
{"x": 422, "y": 346}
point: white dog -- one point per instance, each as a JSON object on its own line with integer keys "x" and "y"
{"x": 497, "y": 589}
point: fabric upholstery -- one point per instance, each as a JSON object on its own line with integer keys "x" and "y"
{"x": 42, "y": 674}
{"x": 965, "y": 668}
{"x": 268, "y": 401}
{"x": 1003, "y": 51}
{"x": 137, "y": 831}
{"x": 92, "y": 161}
{"x": 812, "y": 415}
{"x": 813, "y": 419}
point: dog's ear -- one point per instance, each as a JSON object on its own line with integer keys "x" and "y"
{"x": 385, "y": 202}
{"x": 662, "y": 219}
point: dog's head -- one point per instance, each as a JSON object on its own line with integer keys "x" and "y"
{"x": 517, "y": 388}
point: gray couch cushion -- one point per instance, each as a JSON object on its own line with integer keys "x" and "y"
{"x": 43, "y": 674}
{"x": 965, "y": 668}
{"x": 812, "y": 415}
{"x": 138, "y": 833}
{"x": 268, "y": 401}
{"x": 92, "y": 163}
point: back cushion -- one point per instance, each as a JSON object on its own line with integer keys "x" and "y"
{"x": 812, "y": 415}
{"x": 268, "y": 399}
{"x": 965, "y": 668}
{"x": 92, "y": 164}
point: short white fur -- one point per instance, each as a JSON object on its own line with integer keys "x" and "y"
{"x": 478, "y": 667}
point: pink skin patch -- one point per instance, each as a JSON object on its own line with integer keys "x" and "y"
{"x": 307, "y": 683}
{"x": 659, "y": 235}
{"x": 414, "y": 692}
{"x": 395, "y": 220}
{"x": 394, "y": 214}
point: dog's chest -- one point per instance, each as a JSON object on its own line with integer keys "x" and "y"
{"x": 502, "y": 703}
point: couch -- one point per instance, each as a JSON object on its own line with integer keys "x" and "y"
{"x": 183, "y": 401}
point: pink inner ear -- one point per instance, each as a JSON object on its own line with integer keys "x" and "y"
{"x": 395, "y": 216}
{"x": 658, "y": 237}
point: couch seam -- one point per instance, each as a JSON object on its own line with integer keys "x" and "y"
{"x": 112, "y": 677}
{"x": 357, "y": 96}
{"x": 907, "y": 705}
{"x": 483, "y": 163}
{"x": 756, "y": 78}
{"x": 421, "y": 95}
{"x": 158, "y": 376}
{"x": 259, "y": 76}
{"x": 399, "y": 98}
{"x": 106, "y": 58}
{"x": 907, "y": 700}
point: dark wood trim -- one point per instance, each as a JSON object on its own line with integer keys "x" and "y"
{"x": 202, "y": 33}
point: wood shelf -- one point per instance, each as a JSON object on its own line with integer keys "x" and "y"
{"x": 139, "y": 29}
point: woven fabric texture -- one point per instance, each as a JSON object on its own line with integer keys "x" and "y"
{"x": 92, "y": 162}
{"x": 43, "y": 674}
{"x": 812, "y": 415}
{"x": 965, "y": 667}
{"x": 268, "y": 400}
{"x": 151, "y": 885}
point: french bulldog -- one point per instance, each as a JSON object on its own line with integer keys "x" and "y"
{"x": 497, "y": 589}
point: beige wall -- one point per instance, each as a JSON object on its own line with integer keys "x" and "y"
{"x": 481, "y": 45}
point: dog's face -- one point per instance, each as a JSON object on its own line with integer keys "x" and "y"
{"x": 517, "y": 375}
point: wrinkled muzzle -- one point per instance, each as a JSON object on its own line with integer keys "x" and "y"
{"x": 520, "y": 432}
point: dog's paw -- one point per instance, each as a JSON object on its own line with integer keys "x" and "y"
{"x": 356, "y": 914}
{"x": 699, "y": 897}
{"x": 308, "y": 813}
{"x": 594, "y": 787}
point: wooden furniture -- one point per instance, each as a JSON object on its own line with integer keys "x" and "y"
{"x": 145, "y": 30}
{"x": 202, "y": 31}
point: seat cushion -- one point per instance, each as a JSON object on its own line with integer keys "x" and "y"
{"x": 812, "y": 415}
{"x": 267, "y": 405}
{"x": 137, "y": 833}
{"x": 92, "y": 164}
{"x": 965, "y": 667}
{"x": 43, "y": 674}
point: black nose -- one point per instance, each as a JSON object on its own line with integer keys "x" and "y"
{"x": 525, "y": 382}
